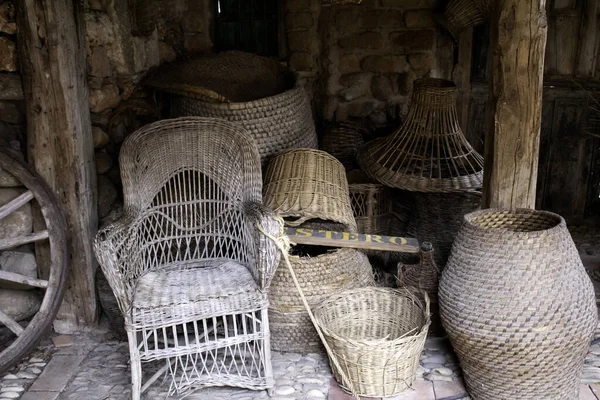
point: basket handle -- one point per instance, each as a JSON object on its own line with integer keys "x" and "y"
{"x": 283, "y": 243}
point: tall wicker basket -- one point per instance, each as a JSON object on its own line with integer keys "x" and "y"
{"x": 319, "y": 277}
{"x": 256, "y": 92}
{"x": 378, "y": 335}
{"x": 518, "y": 306}
{"x": 343, "y": 141}
{"x": 371, "y": 204}
{"x": 429, "y": 152}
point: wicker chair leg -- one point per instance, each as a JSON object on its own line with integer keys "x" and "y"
{"x": 136, "y": 366}
{"x": 264, "y": 316}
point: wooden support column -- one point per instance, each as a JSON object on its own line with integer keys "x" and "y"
{"x": 588, "y": 39}
{"x": 518, "y": 46}
{"x": 51, "y": 44}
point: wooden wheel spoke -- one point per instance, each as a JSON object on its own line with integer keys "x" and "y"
{"x": 11, "y": 324}
{"x": 18, "y": 241}
{"x": 22, "y": 279}
{"x": 15, "y": 204}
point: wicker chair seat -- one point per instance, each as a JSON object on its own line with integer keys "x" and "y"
{"x": 180, "y": 292}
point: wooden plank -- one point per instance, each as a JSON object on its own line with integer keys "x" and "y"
{"x": 21, "y": 240}
{"x": 512, "y": 142}
{"x": 25, "y": 280}
{"x": 15, "y": 204}
{"x": 11, "y": 324}
{"x": 52, "y": 48}
{"x": 588, "y": 40}
{"x": 463, "y": 81}
{"x": 353, "y": 240}
{"x": 566, "y": 42}
{"x": 57, "y": 373}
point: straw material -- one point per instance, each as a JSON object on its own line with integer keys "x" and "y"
{"x": 424, "y": 276}
{"x": 518, "y": 306}
{"x": 378, "y": 335}
{"x": 304, "y": 184}
{"x": 461, "y": 14}
{"x": 255, "y": 92}
{"x": 371, "y": 204}
{"x": 343, "y": 141}
{"x": 429, "y": 152}
{"x": 319, "y": 277}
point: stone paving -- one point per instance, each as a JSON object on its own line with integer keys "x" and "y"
{"x": 97, "y": 369}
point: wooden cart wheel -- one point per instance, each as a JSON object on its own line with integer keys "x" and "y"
{"x": 22, "y": 340}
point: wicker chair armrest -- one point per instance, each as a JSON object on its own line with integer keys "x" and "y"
{"x": 268, "y": 228}
{"x": 117, "y": 249}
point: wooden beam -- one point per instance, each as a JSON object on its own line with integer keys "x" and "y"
{"x": 51, "y": 43}
{"x": 463, "y": 78}
{"x": 588, "y": 39}
{"x": 353, "y": 240}
{"x": 518, "y": 45}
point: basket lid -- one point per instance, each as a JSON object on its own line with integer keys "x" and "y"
{"x": 429, "y": 152}
{"x": 231, "y": 76}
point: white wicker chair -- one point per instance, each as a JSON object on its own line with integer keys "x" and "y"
{"x": 187, "y": 263}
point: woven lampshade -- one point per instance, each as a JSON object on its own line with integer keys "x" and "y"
{"x": 429, "y": 152}
{"x": 306, "y": 184}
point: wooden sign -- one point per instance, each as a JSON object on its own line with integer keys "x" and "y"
{"x": 353, "y": 240}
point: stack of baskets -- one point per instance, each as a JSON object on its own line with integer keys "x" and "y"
{"x": 256, "y": 92}
{"x": 305, "y": 187}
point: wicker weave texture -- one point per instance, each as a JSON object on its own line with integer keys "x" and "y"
{"x": 518, "y": 306}
{"x": 304, "y": 184}
{"x": 343, "y": 141}
{"x": 378, "y": 335}
{"x": 429, "y": 152}
{"x": 326, "y": 274}
{"x": 371, "y": 204}
{"x": 461, "y": 14}
{"x": 186, "y": 262}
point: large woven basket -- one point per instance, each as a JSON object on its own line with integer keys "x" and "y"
{"x": 461, "y": 14}
{"x": 320, "y": 276}
{"x": 436, "y": 218}
{"x": 428, "y": 152}
{"x": 343, "y": 141}
{"x": 305, "y": 184}
{"x": 256, "y": 92}
{"x": 371, "y": 204}
{"x": 378, "y": 335}
{"x": 518, "y": 306}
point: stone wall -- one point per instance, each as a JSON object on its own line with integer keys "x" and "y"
{"x": 374, "y": 51}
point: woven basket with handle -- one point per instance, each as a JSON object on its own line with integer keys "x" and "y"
{"x": 378, "y": 335}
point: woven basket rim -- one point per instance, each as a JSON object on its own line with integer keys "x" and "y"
{"x": 558, "y": 225}
{"x": 319, "y": 152}
{"x": 382, "y": 291}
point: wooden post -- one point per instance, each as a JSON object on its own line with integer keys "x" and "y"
{"x": 52, "y": 50}
{"x": 463, "y": 80}
{"x": 588, "y": 38}
{"x": 518, "y": 45}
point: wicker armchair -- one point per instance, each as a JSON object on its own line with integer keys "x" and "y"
{"x": 187, "y": 262}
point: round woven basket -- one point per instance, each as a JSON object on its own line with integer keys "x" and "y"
{"x": 429, "y": 152}
{"x": 371, "y": 204}
{"x": 461, "y": 14}
{"x": 305, "y": 184}
{"x": 320, "y": 276}
{"x": 378, "y": 335}
{"x": 436, "y": 218}
{"x": 343, "y": 141}
{"x": 258, "y": 93}
{"x": 518, "y": 306}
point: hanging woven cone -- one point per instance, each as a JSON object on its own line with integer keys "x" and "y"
{"x": 429, "y": 152}
{"x": 461, "y": 14}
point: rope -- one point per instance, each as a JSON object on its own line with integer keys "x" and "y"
{"x": 282, "y": 242}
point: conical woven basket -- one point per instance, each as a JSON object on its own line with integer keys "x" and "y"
{"x": 343, "y": 141}
{"x": 429, "y": 152}
{"x": 378, "y": 335}
{"x": 304, "y": 184}
{"x": 256, "y": 92}
{"x": 319, "y": 277}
